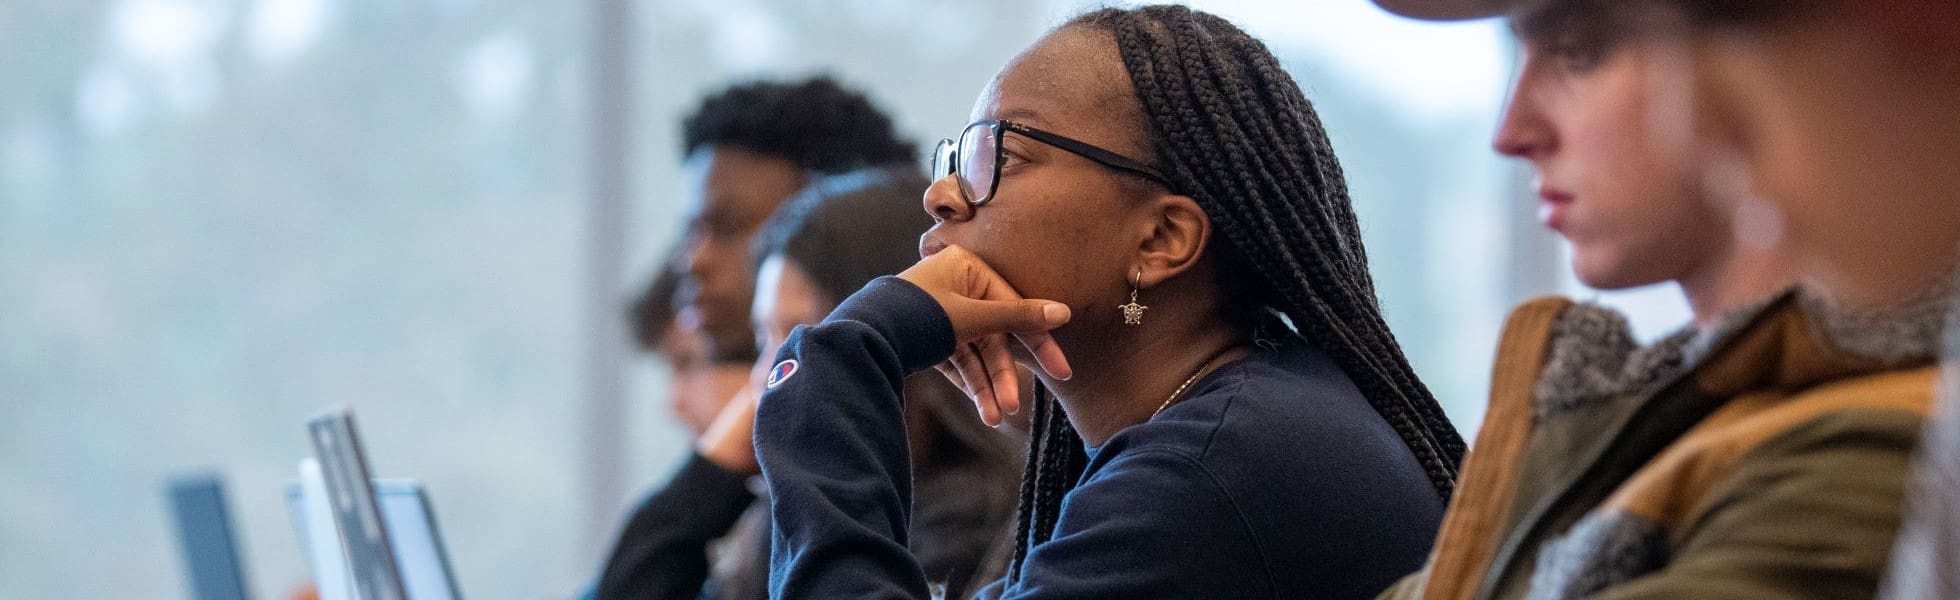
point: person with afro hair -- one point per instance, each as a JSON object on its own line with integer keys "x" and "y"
{"x": 749, "y": 147}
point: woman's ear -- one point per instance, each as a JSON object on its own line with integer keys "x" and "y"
{"x": 1178, "y": 234}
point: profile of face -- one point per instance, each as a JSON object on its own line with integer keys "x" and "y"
{"x": 700, "y": 385}
{"x": 1844, "y": 118}
{"x": 785, "y": 297}
{"x": 1616, "y": 173}
{"x": 1059, "y": 226}
{"x": 732, "y": 191}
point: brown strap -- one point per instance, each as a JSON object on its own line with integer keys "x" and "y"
{"x": 1483, "y": 492}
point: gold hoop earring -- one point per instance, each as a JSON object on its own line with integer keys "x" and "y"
{"x": 1133, "y": 312}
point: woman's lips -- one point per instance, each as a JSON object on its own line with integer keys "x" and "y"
{"x": 929, "y": 245}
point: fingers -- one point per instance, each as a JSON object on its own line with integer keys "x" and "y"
{"x": 979, "y": 301}
{"x": 982, "y": 306}
{"x": 999, "y": 365}
{"x": 1047, "y": 354}
{"x": 973, "y": 377}
{"x": 1007, "y": 312}
{"x": 952, "y": 374}
{"x": 1029, "y": 321}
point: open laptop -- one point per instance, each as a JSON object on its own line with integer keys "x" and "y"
{"x": 383, "y": 543}
{"x": 204, "y": 532}
{"x": 411, "y": 523}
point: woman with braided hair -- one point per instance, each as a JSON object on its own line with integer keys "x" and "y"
{"x": 1148, "y": 211}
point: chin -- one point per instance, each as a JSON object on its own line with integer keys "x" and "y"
{"x": 1603, "y": 273}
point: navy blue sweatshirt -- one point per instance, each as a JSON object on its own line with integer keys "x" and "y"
{"x": 1272, "y": 478}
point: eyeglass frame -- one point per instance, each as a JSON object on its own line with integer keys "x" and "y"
{"x": 947, "y": 151}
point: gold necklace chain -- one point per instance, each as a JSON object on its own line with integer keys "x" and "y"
{"x": 1202, "y": 369}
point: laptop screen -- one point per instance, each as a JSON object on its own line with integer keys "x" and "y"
{"x": 407, "y": 515}
{"x": 204, "y": 530}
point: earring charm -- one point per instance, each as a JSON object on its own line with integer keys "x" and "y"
{"x": 1133, "y": 312}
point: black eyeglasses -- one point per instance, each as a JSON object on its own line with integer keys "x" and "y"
{"x": 977, "y": 155}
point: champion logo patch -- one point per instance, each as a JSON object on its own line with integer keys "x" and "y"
{"x": 780, "y": 373}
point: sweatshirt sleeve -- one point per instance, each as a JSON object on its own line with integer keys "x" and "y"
{"x": 830, "y": 436}
{"x": 663, "y": 552}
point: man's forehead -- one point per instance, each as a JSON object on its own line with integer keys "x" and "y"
{"x": 733, "y": 180}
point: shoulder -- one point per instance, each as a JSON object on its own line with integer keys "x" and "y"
{"x": 1284, "y": 430}
{"x": 1296, "y": 405}
{"x": 1890, "y": 404}
{"x": 1882, "y": 412}
{"x": 1850, "y": 438}
{"x": 1289, "y": 395}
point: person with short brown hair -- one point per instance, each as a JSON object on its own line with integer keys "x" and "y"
{"x": 1766, "y": 458}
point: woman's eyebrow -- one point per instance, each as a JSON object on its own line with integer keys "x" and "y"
{"x": 1027, "y": 115}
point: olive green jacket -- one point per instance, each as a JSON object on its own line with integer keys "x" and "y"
{"x": 1760, "y": 462}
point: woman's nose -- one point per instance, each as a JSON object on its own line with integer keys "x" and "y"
{"x": 944, "y": 201}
